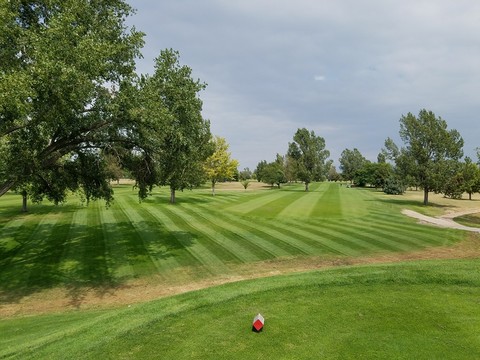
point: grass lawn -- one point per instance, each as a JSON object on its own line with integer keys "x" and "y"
{"x": 75, "y": 279}
{"x": 416, "y": 310}
{"x": 91, "y": 251}
{"x": 472, "y": 220}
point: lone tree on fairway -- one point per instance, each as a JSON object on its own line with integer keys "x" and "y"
{"x": 62, "y": 66}
{"x": 430, "y": 149}
{"x": 219, "y": 166}
{"x": 181, "y": 138}
{"x": 309, "y": 152}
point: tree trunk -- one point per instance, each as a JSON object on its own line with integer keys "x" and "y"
{"x": 425, "y": 196}
{"x": 306, "y": 186}
{"x": 213, "y": 188}
{"x": 470, "y": 196}
{"x": 172, "y": 195}
{"x": 24, "y": 201}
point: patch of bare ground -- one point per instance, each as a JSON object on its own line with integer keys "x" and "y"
{"x": 142, "y": 290}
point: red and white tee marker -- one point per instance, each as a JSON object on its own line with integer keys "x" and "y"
{"x": 258, "y": 322}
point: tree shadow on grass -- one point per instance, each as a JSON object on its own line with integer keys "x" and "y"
{"x": 83, "y": 258}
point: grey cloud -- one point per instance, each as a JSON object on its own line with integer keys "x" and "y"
{"x": 378, "y": 59}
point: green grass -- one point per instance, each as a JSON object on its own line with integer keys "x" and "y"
{"x": 472, "y": 220}
{"x": 420, "y": 310}
{"x": 77, "y": 246}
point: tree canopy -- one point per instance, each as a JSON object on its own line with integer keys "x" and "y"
{"x": 63, "y": 66}
{"x": 351, "y": 161}
{"x": 219, "y": 166}
{"x": 430, "y": 150}
{"x": 177, "y": 134}
{"x": 309, "y": 152}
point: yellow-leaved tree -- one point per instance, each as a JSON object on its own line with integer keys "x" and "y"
{"x": 220, "y": 166}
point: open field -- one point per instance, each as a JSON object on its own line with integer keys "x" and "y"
{"x": 73, "y": 256}
{"x": 82, "y": 281}
{"x": 416, "y": 310}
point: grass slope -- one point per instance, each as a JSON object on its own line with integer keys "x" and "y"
{"x": 423, "y": 310}
{"x": 76, "y": 246}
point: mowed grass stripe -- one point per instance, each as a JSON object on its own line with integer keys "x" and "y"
{"x": 358, "y": 234}
{"x": 116, "y": 238}
{"x": 223, "y": 236}
{"x": 430, "y": 234}
{"x": 257, "y": 201}
{"x": 331, "y": 239}
{"x": 302, "y": 205}
{"x": 14, "y": 240}
{"x": 262, "y": 249}
{"x": 72, "y": 265}
{"x": 174, "y": 243}
{"x": 95, "y": 269}
{"x": 192, "y": 242}
{"x": 267, "y": 232}
{"x": 275, "y": 207}
{"x": 254, "y": 234}
{"x": 138, "y": 247}
{"x": 335, "y": 244}
{"x": 179, "y": 245}
{"x": 43, "y": 260}
{"x": 412, "y": 235}
{"x": 216, "y": 243}
{"x": 329, "y": 204}
{"x": 397, "y": 242}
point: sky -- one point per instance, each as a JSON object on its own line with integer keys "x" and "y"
{"x": 346, "y": 69}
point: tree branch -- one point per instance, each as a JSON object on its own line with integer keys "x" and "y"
{"x": 7, "y": 185}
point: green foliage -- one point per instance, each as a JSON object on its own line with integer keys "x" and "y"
{"x": 245, "y": 174}
{"x": 470, "y": 173}
{"x": 180, "y": 142}
{"x": 333, "y": 175}
{"x": 272, "y": 173}
{"x": 373, "y": 174}
{"x": 394, "y": 186}
{"x": 245, "y": 184}
{"x": 63, "y": 65}
{"x": 430, "y": 150}
{"x": 351, "y": 161}
{"x": 308, "y": 150}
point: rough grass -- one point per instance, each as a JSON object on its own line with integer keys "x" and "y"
{"x": 420, "y": 310}
{"x": 472, "y": 220}
{"x": 77, "y": 248}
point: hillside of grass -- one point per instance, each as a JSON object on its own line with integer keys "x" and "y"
{"x": 73, "y": 246}
{"x": 416, "y": 310}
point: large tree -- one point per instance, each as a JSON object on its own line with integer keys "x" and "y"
{"x": 63, "y": 64}
{"x": 351, "y": 161}
{"x": 309, "y": 151}
{"x": 470, "y": 173}
{"x": 430, "y": 150}
{"x": 220, "y": 166}
{"x": 180, "y": 135}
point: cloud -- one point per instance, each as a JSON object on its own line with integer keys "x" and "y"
{"x": 383, "y": 59}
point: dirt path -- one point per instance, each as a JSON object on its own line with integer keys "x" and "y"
{"x": 445, "y": 221}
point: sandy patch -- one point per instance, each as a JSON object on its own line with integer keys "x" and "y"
{"x": 446, "y": 220}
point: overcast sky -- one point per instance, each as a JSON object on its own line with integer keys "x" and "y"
{"x": 346, "y": 69}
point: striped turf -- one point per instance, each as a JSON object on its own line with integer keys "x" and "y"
{"x": 202, "y": 235}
